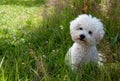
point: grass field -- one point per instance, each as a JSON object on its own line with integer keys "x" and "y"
{"x": 34, "y": 38}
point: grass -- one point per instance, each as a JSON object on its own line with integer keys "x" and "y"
{"x": 17, "y": 21}
{"x": 34, "y": 39}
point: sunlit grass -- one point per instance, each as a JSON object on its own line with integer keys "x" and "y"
{"x": 17, "y": 22}
{"x": 15, "y": 19}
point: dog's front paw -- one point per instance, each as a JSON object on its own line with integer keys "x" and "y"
{"x": 101, "y": 59}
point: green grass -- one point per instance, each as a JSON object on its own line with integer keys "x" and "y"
{"x": 17, "y": 21}
{"x": 34, "y": 39}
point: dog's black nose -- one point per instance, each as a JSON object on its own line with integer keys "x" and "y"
{"x": 82, "y": 36}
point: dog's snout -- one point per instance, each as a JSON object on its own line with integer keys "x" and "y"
{"x": 82, "y": 36}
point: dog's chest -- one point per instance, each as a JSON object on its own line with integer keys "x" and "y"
{"x": 79, "y": 54}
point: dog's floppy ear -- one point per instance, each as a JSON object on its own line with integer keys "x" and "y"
{"x": 73, "y": 24}
{"x": 99, "y": 29}
{"x": 99, "y": 35}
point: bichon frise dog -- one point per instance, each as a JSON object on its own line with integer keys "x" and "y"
{"x": 86, "y": 32}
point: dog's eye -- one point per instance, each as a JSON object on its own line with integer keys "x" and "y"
{"x": 90, "y": 32}
{"x": 80, "y": 28}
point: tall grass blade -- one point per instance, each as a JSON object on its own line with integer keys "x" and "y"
{"x": 2, "y": 61}
{"x": 114, "y": 40}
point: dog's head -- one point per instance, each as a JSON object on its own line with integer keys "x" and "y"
{"x": 86, "y": 29}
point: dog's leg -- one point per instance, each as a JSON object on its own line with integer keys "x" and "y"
{"x": 101, "y": 59}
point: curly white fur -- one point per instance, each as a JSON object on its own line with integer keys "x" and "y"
{"x": 86, "y": 32}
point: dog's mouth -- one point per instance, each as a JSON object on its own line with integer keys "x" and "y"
{"x": 83, "y": 40}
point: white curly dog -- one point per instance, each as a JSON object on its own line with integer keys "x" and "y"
{"x": 86, "y": 32}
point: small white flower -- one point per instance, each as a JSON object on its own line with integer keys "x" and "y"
{"x": 23, "y": 63}
{"x": 53, "y": 50}
{"x": 61, "y": 27}
{"x": 57, "y": 50}
{"x": 29, "y": 43}
{"x": 44, "y": 56}
{"x": 46, "y": 42}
